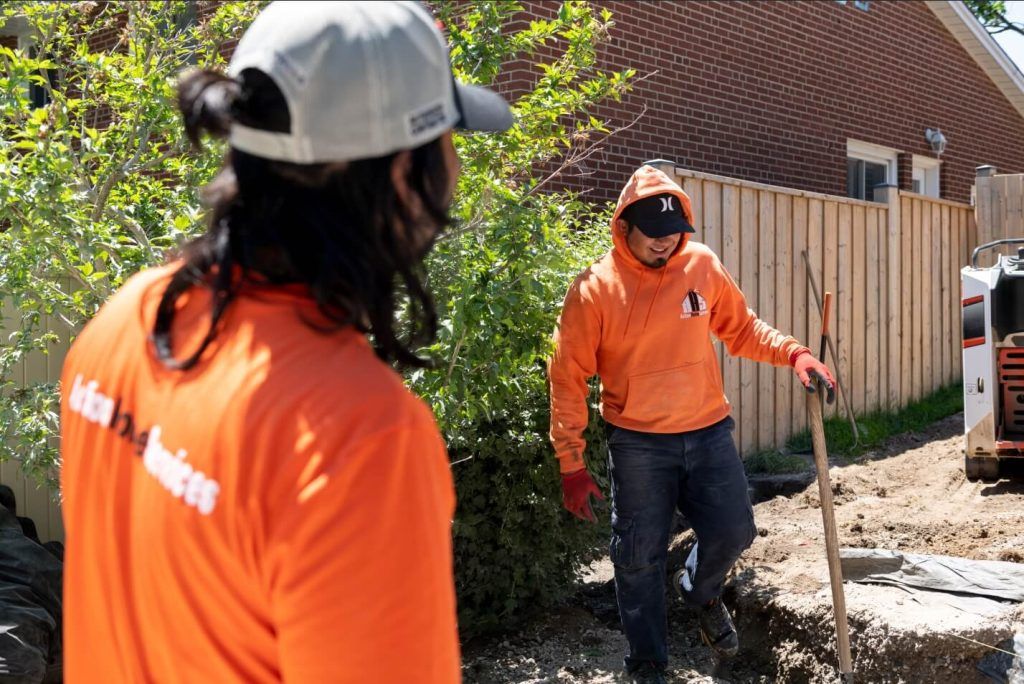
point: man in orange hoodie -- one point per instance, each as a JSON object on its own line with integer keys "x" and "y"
{"x": 642, "y": 318}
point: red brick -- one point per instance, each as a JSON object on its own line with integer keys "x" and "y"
{"x": 770, "y": 91}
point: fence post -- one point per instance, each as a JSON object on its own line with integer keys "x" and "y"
{"x": 890, "y": 195}
{"x": 666, "y": 166}
{"x": 985, "y": 171}
{"x": 984, "y": 179}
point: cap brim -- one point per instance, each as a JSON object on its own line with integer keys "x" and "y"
{"x": 482, "y": 109}
{"x": 668, "y": 226}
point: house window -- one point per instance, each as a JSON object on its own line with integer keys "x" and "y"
{"x": 925, "y": 176}
{"x": 868, "y": 165}
{"x": 37, "y": 94}
{"x": 17, "y": 29}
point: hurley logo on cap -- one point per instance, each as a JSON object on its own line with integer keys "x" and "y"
{"x": 657, "y": 216}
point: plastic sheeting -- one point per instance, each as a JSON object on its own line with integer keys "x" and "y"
{"x": 30, "y": 607}
{"x": 991, "y": 579}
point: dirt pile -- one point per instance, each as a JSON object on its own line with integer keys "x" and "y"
{"x": 912, "y": 497}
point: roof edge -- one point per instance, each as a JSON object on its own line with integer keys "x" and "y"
{"x": 954, "y": 14}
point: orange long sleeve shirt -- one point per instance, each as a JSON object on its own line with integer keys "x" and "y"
{"x": 647, "y": 333}
{"x": 280, "y": 512}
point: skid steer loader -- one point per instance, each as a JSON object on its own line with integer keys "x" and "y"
{"x": 993, "y": 363}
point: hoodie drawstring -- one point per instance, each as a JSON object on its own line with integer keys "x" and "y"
{"x": 657, "y": 291}
{"x": 632, "y": 303}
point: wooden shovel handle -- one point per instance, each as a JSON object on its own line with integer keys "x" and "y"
{"x": 826, "y": 314}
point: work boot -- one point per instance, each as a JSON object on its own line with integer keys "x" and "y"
{"x": 648, "y": 673}
{"x": 717, "y": 630}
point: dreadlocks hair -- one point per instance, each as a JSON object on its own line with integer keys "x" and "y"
{"x": 339, "y": 228}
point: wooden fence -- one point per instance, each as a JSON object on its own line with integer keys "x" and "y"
{"x": 1000, "y": 209}
{"x": 36, "y": 502}
{"x": 893, "y": 268}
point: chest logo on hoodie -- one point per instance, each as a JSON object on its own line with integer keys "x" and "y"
{"x": 694, "y": 304}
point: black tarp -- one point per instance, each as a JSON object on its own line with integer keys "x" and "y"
{"x": 30, "y": 607}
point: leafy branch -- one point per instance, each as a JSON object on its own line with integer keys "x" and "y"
{"x": 992, "y": 15}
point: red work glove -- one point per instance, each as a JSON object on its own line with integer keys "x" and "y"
{"x": 576, "y": 490}
{"x": 809, "y": 369}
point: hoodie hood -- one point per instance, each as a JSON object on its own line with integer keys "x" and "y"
{"x": 647, "y": 181}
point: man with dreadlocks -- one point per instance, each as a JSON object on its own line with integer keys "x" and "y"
{"x": 251, "y": 494}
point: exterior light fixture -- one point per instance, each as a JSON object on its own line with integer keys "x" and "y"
{"x": 936, "y": 140}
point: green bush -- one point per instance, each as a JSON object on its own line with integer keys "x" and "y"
{"x": 97, "y": 184}
{"x": 499, "y": 278}
{"x": 94, "y": 185}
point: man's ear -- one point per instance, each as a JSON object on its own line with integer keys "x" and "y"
{"x": 622, "y": 225}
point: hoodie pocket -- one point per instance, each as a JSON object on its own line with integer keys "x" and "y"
{"x": 664, "y": 395}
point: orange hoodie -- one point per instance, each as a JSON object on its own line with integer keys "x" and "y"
{"x": 647, "y": 333}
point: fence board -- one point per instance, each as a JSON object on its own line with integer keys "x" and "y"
{"x": 927, "y": 329}
{"x": 893, "y": 321}
{"x": 907, "y": 305}
{"x": 37, "y": 500}
{"x": 10, "y": 471}
{"x": 783, "y": 313}
{"x": 830, "y": 283}
{"x": 918, "y": 303}
{"x": 956, "y": 240}
{"x": 766, "y": 300}
{"x": 799, "y": 329}
{"x": 983, "y": 199}
{"x": 731, "y": 261}
{"x": 844, "y": 300}
{"x": 694, "y": 188}
{"x": 929, "y": 241}
{"x": 1014, "y": 225}
{"x": 749, "y": 264}
{"x": 871, "y": 310}
{"x": 815, "y": 254}
{"x": 935, "y": 264}
{"x": 858, "y": 309}
{"x": 972, "y": 241}
{"x": 713, "y": 233}
{"x": 1002, "y": 200}
{"x": 884, "y": 331}
{"x": 999, "y": 202}
{"x": 944, "y": 276}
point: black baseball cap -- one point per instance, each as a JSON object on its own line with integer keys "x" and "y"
{"x": 658, "y": 216}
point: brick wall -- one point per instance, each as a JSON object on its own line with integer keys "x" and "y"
{"x": 770, "y": 91}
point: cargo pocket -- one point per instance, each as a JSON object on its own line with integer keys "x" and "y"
{"x": 621, "y": 548}
{"x": 663, "y": 395}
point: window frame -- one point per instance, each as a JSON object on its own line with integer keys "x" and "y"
{"x": 874, "y": 154}
{"x": 19, "y": 28}
{"x": 928, "y": 168}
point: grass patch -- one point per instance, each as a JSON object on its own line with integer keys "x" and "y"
{"x": 877, "y": 427}
{"x": 775, "y": 463}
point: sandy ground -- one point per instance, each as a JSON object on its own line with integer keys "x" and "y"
{"x": 910, "y": 495}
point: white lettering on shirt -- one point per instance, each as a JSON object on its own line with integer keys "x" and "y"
{"x": 170, "y": 469}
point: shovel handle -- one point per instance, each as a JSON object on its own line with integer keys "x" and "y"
{"x": 828, "y": 519}
{"x": 826, "y": 314}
